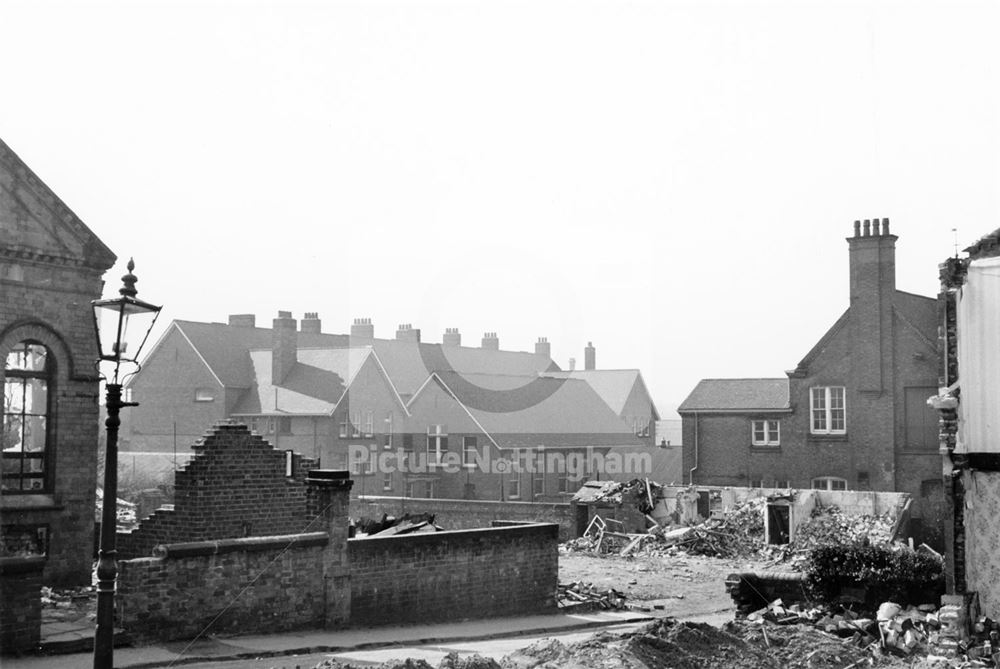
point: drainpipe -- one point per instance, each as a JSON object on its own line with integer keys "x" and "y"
{"x": 691, "y": 473}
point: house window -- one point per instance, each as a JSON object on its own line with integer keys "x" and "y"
{"x": 356, "y": 424}
{"x": 284, "y": 425}
{"x": 254, "y": 424}
{"x": 344, "y": 427}
{"x": 24, "y": 440}
{"x": 829, "y": 483}
{"x": 204, "y": 395}
{"x": 765, "y": 433}
{"x": 537, "y": 485}
{"x": 370, "y": 424}
{"x": 829, "y": 411}
{"x": 564, "y": 482}
{"x": 437, "y": 443}
{"x": 410, "y": 489}
{"x": 387, "y": 437}
{"x": 470, "y": 450}
{"x": 361, "y": 467}
{"x": 782, "y": 483}
{"x": 514, "y": 488}
{"x": 387, "y": 481}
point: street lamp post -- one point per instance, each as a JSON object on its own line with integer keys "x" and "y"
{"x": 112, "y": 318}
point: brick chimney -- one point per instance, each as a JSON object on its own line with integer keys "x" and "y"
{"x": 242, "y": 320}
{"x": 872, "y": 252}
{"x": 542, "y": 347}
{"x": 452, "y": 337}
{"x": 589, "y": 356}
{"x": 284, "y": 346}
{"x": 491, "y": 341}
{"x": 310, "y": 323}
{"x": 362, "y": 330}
{"x": 406, "y": 332}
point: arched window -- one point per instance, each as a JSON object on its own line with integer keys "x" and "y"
{"x": 24, "y": 441}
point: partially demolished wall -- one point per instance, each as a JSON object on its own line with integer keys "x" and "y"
{"x": 982, "y": 538}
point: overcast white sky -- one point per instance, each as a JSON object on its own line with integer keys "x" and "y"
{"x": 671, "y": 180}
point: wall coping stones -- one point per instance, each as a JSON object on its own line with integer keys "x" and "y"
{"x": 550, "y": 530}
{"x": 243, "y": 544}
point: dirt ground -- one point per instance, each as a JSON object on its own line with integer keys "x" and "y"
{"x": 686, "y": 584}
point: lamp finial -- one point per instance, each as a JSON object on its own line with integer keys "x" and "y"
{"x": 128, "y": 281}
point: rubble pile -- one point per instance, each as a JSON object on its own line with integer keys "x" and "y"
{"x": 578, "y": 593}
{"x": 408, "y": 523}
{"x": 126, "y": 518}
{"x": 830, "y": 525}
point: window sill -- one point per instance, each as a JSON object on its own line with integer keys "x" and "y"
{"x": 765, "y": 449}
{"x": 29, "y": 502}
{"x": 824, "y": 438}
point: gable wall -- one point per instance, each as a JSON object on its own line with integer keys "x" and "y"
{"x": 166, "y": 394}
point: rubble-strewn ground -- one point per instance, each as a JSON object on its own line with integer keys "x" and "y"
{"x": 691, "y": 584}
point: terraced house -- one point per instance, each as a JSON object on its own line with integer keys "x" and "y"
{"x": 851, "y": 415}
{"x": 395, "y": 411}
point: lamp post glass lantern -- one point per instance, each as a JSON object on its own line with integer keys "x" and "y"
{"x": 122, "y": 326}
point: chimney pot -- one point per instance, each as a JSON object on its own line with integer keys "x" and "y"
{"x": 857, "y": 228}
{"x": 406, "y": 332}
{"x": 452, "y": 337}
{"x": 362, "y": 329}
{"x": 542, "y": 347}
{"x": 885, "y": 226}
{"x": 875, "y": 223}
{"x": 491, "y": 341}
{"x": 868, "y": 228}
{"x": 590, "y": 356}
{"x": 242, "y": 320}
{"x": 311, "y": 323}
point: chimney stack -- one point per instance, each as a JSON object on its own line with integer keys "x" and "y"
{"x": 872, "y": 254}
{"x": 242, "y": 320}
{"x": 406, "y": 332}
{"x": 362, "y": 330}
{"x": 590, "y": 356}
{"x": 311, "y": 323}
{"x": 452, "y": 337}
{"x": 572, "y": 364}
{"x": 542, "y": 347}
{"x": 284, "y": 346}
{"x": 491, "y": 341}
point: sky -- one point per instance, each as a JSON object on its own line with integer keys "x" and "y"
{"x": 673, "y": 181}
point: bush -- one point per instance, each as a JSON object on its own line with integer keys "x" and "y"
{"x": 886, "y": 573}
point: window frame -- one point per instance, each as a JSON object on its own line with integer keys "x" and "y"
{"x": 829, "y": 482}
{"x": 466, "y": 449}
{"x": 440, "y": 439}
{"x": 514, "y": 487}
{"x": 204, "y": 395}
{"x": 47, "y": 376}
{"x": 766, "y": 441}
{"x": 826, "y": 411}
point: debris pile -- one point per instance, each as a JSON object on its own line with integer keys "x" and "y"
{"x": 126, "y": 518}
{"x": 579, "y": 593}
{"x": 830, "y": 525}
{"x": 408, "y": 523}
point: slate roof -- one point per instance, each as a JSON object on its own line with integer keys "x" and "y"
{"x": 613, "y": 385}
{"x": 740, "y": 395}
{"x": 315, "y": 385}
{"x": 520, "y": 412}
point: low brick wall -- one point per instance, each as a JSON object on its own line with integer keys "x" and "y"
{"x": 20, "y": 603}
{"x": 254, "y": 584}
{"x": 467, "y": 514}
{"x": 454, "y": 575}
{"x": 754, "y": 590}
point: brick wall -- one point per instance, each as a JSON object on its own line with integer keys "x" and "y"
{"x": 462, "y": 514}
{"x": 259, "y": 584}
{"x": 453, "y": 575}
{"x": 982, "y": 538}
{"x": 21, "y": 594}
{"x": 234, "y": 486}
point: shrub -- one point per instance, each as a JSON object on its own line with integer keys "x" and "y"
{"x": 886, "y": 573}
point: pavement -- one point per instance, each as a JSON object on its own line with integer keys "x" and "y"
{"x": 218, "y": 649}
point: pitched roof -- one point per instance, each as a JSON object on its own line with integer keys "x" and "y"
{"x": 314, "y": 385}
{"x": 739, "y": 395}
{"x": 920, "y": 313}
{"x": 613, "y": 385}
{"x": 37, "y": 224}
{"x": 523, "y": 411}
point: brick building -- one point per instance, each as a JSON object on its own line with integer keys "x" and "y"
{"x": 321, "y": 394}
{"x": 853, "y": 412}
{"x": 51, "y": 267}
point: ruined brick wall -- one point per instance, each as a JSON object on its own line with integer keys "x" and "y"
{"x": 21, "y": 594}
{"x": 982, "y": 538}
{"x": 453, "y": 575}
{"x": 258, "y": 584}
{"x": 464, "y": 514}
{"x": 235, "y": 486}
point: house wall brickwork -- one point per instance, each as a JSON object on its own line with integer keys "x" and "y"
{"x": 51, "y": 267}
{"x": 453, "y": 575}
{"x": 21, "y": 594}
{"x": 234, "y": 486}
